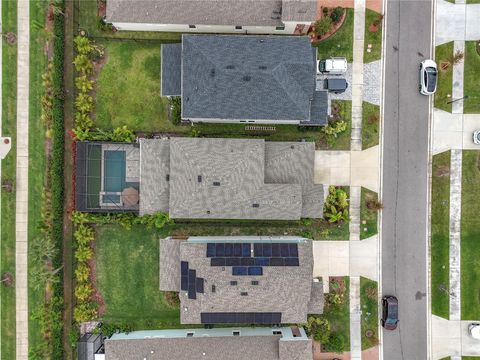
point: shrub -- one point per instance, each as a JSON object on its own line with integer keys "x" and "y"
{"x": 323, "y": 25}
{"x": 335, "y": 343}
{"x": 84, "y": 234}
{"x": 337, "y": 14}
{"x": 84, "y": 253}
{"x": 176, "y": 106}
{"x": 334, "y": 128}
{"x": 172, "y": 299}
{"x": 84, "y": 103}
{"x": 83, "y": 45}
{"x": 83, "y": 121}
{"x": 325, "y": 11}
{"x": 307, "y": 221}
{"x": 83, "y": 64}
{"x": 84, "y": 312}
{"x": 82, "y": 272}
{"x": 84, "y": 84}
{"x": 319, "y": 328}
{"x": 336, "y": 205}
{"x": 83, "y": 292}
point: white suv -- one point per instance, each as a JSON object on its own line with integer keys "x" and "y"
{"x": 332, "y": 66}
{"x": 428, "y": 77}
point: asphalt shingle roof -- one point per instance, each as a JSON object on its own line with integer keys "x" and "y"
{"x": 171, "y": 71}
{"x": 232, "y": 77}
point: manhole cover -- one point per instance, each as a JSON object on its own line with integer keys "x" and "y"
{"x": 11, "y": 38}
{"x": 369, "y": 333}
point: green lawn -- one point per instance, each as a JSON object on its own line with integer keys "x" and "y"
{"x": 128, "y": 278}
{"x": 472, "y": 78}
{"x": 7, "y": 212}
{"x": 341, "y": 43}
{"x": 370, "y": 125}
{"x": 370, "y": 217}
{"x": 440, "y": 234}
{"x": 342, "y": 142}
{"x": 470, "y": 234}
{"x": 339, "y": 316}
{"x": 128, "y": 93}
{"x": 444, "y": 83}
{"x": 373, "y": 38}
{"x": 369, "y": 307}
{"x": 36, "y": 149}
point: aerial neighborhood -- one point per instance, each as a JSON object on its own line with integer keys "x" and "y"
{"x": 240, "y": 180}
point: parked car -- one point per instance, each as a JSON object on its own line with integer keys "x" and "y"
{"x": 336, "y": 86}
{"x": 332, "y": 66}
{"x": 474, "y": 330}
{"x": 390, "y": 312}
{"x": 428, "y": 77}
{"x": 476, "y": 137}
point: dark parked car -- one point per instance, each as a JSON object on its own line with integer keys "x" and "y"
{"x": 336, "y": 86}
{"x": 390, "y": 312}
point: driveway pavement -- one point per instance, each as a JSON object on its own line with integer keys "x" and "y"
{"x": 456, "y": 22}
{"x": 348, "y": 168}
{"x": 454, "y": 131}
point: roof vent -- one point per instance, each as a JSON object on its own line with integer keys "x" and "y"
{"x": 230, "y": 67}
{"x": 216, "y": 183}
{"x": 244, "y": 293}
{"x": 199, "y": 178}
{"x": 208, "y": 211}
{"x": 247, "y": 78}
{"x": 167, "y": 177}
{"x": 254, "y": 282}
{"x": 292, "y": 147}
{"x": 233, "y": 283}
{"x": 255, "y": 205}
{"x": 212, "y": 73}
{"x": 275, "y": 17}
{"x": 213, "y": 288}
{"x": 262, "y": 67}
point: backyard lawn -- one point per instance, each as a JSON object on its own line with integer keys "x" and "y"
{"x": 374, "y": 38}
{"x": 7, "y": 242}
{"x": 444, "y": 84}
{"x": 471, "y": 76}
{"x": 128, "y": 278}
{"x": 470, "y": 233}
{"x": 340, "y": 43}
{"x": 370, "y": 125}
{"x": 368, "y": 217}
{"x": 369, "y": 307}
{"x": 440, "y": 234}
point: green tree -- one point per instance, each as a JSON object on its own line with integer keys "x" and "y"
{"x": 323, "y": 25}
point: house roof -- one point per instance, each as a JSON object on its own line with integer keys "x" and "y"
{"x": 247, "y": 77}
{"x": 318, "y": 109}
{"x": 211, "y": 12}
{"x": 209, "y": 344}
{"x": 171, "y": 71}
{"x": 285, "y": 290}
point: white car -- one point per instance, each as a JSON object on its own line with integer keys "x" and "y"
{"x": 332, "y": 66}
{"x": 476, "y": 137}
{"x": 474, "y": 330}
{"x": 428, "y": 77}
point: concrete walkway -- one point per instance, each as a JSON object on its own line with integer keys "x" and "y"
{"x": 348, "y": 168}
{"x": 451, "y": 338}
{"x": 457, "y": 75}
{"x": 455, "y": 215}
{"x": 21, "y": 260}
{"x": 354, "y": 211}
{"x": 454, "y": 131}
{"x": 355, "y": 319}
{"x": 456, "y": 22}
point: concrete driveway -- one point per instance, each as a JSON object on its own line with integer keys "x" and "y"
{"x": 456, "y": 22}
{"x": 348, "y": 168}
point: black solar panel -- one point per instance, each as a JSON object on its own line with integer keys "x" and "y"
{"x": 284, "y": 250}
{"x": 237, "y": 249}
{"x": 199, "y": 285}
{"x": 246, "y": 261}
{"x": 217, "y": 262}
{"x": 292, "y": 262}
{"x": 184, "y": 283}
{"x": 220, "y": 249}
{"x": 267, "y": 250}
{"x": 257, "y": 250}
{"x": 233, "y": 261}
{"x": 239, "y": 270}
{"x": 192, "y": 294}
{"x": 228, "y": 250}
{"x": 192, "y": 274}
{"x": 262, "y": 261}
{"x": 241, "y": 318}
{"x": 255, "y": 270}
{"x": 276, "y": 262}
{"x": 293, "y": 250}
{"x": 275, "y": 250}
{"x": 246, "y": 250}
{"x": 211, "y": 252}
{"x": 184, "y": 268}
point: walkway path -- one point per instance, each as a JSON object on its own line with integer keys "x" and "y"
{"x": 355, "y": 319}
{"x": 456, "y": 22}
{"x": 455, "y": 213}
{"x": 451, "y": 338}
{"x": 21, "y": 264}
{"x": 457, "y": 90}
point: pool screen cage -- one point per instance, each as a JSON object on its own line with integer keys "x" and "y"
{"x": 107, "y": 177}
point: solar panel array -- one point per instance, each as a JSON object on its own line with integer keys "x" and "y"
{"x": 189, "y": 281}
{"x": 239, "y": 256}
{"x": 241, "y": 318}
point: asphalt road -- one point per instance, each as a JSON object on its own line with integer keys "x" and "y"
{"x": 405, "y": 180}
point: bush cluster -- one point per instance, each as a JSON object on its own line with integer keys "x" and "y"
{"x": 175, "y": 103}
{"x": 336, "y": 205}
{"x": 126, "y": 220}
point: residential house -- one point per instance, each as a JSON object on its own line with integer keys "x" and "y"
{"x": 213, "y": 16}
{"x": 241, "y": 280}
{"x": 200, "y": 178}
{"x": 245, "y": 79}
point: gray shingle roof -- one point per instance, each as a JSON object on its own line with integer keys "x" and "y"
{"x": 171, "y": 71}
{"x": 318, "y": 109}
{"x": 281, "y": 289}
{"x": 154, "y": 168}
{"x": 295, "y": 350}
{"x": 247, "y": 77}
{"x": 211, "y": 12}
{"x": 169, "y": 265}
{"x": 315, "y": 306}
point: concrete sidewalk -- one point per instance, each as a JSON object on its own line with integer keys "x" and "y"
{"x": 456, "y": 22}
{"x": 451, "y": 338}
{"x": 348, "y": 168}
{"x": 454, "y": 131}
{"x": 21, "y": 250}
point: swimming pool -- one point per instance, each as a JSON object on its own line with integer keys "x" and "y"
{"x": 114, "y": 174}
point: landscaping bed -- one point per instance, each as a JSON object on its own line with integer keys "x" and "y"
{"x": 369, "y": 307}
{"x": 373, "y": 36}
{"x": 370, "y": 125}
{"x": 369, "y": 208}
{"x": 471, "y": 77}
{"x": 445, "y": 75}
{"x": 470, "y": 233}
{"x": 440, "y": 243}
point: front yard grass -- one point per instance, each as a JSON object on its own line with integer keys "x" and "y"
{"x": 370, "y": 125}
{"x": 128, "y": 93}
{"x": 470, "y": 233}
{"x": 340, "y": 43}
{"x": 369, "y": 307}
{"x": 7, "y": 228}
{"x": 127, "y": 271}
{"x": 440, "y": 243}
{"x": 373, "y": 38}
{"x": 368, "y": 217}
{"x": 471, "y": 77}
{"x": 445, "y": 77}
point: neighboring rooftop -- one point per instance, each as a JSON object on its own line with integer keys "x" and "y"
{"x": 229, "y": 179}
{"x": 246, "y": 78}
{"x": 241, "y": 280}
{"x": 211, "y": 344}
{"x": 211, "y": 12}
{"x": 171, "y": 71}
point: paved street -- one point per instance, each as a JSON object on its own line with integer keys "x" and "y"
{"x": 404, "y": 185}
